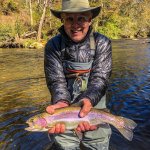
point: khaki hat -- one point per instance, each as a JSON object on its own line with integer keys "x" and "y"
{"x": 76, "y": 6}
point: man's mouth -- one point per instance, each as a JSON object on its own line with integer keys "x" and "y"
{"x": 75, "y": 31}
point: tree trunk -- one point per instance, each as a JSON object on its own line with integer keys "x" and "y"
{"x": 31, "y": 16}
{"x": 26, "y": 3}
{"x": 41, "y": 21}
{"x": 50, "y": 25}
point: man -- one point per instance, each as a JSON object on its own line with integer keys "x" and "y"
{"x": 77, "y": 69}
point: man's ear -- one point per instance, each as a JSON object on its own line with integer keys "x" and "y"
{"x": 61, "y": 20}
{"x": 90, "y": 21}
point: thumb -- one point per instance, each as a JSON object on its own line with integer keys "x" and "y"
{"x": 86, "y": 108}
{"x": 50, "y": 109}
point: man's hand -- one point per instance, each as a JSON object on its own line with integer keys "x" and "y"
{"x": 85, "y": 126}
{"x": 58, "y": 128}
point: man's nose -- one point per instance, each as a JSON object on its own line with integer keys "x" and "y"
{"x": 76, "y": 22}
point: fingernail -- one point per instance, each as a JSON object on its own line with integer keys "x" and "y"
{"x": 81, "y": 114}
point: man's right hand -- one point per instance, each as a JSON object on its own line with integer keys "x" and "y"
{"x": 58, "y": 128}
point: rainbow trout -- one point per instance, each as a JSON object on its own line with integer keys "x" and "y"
{"x": 70, "y": 117}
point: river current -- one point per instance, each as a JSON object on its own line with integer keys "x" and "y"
{"x": 23, "y": 93}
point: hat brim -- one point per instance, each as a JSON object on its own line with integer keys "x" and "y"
{"x": 95, "y": 11}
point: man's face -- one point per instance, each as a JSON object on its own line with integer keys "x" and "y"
{"x": 76, "y": 25}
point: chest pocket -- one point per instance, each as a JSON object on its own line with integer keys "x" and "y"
{"x": 77, "y": 73}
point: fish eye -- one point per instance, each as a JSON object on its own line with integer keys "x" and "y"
{"x": 32, "y": 120}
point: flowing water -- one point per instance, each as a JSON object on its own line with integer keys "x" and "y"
{"x": 23, "y": 93}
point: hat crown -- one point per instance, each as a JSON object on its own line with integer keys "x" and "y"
{"x": 68, "y": 4}
{"x": 76, "y": 6}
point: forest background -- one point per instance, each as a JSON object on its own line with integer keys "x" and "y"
{"x": 30, "y": 21}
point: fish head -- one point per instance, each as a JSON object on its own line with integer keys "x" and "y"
{"x": 36, "y": 123}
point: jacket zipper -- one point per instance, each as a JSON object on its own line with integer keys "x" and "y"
{"x": 77, "y": 49}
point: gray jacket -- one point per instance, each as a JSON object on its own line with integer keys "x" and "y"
{"x": 78, "y": 52}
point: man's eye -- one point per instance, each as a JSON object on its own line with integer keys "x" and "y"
{"x": 69, "y": 19}
{"x": 81, "y": 19}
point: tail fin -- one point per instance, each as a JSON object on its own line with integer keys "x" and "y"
{"x": 127, "y": 128}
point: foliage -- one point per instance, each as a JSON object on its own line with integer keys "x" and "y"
{"x": 111, "y": 27}
{"x": 18, "y": 28}
{"x": 118, "y": 18}
{"x": 28, "y": 42}
{"x": 8, "y": 6}
{"x": 5, "y": 31}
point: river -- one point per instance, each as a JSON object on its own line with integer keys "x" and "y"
{"x": 23, "y": 93}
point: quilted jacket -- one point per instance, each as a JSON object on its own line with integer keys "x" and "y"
{"x": 77, "y": 52}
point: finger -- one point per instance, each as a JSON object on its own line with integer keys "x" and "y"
{"x": 81, "y": 127}
{"x": 93, "y": 127}
{"x": 52, "y": 130}
{"x": 85, "y": 110}
{"x": 78, "y": 129}
{"x": 63, "y": 128}
{"x": 86, "y": 107}
{"x": 50, "y": 109}
{"x": 57, "y": 128}
{"x": 86, "y": 126}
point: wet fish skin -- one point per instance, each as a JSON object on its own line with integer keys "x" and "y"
{"x": 70, "y": 117}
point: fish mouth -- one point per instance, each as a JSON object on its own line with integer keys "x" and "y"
{"x": 29, "y": 129}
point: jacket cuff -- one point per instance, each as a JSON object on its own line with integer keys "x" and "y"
{"x": 61, "y": 100}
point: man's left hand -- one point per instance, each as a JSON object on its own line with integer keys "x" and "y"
{"x": 86, "y": 108}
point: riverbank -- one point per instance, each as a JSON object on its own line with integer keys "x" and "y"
{"x": 34, "y": 44}
{"x": 22, "y": 43}
{"x": 117, "y": 20}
